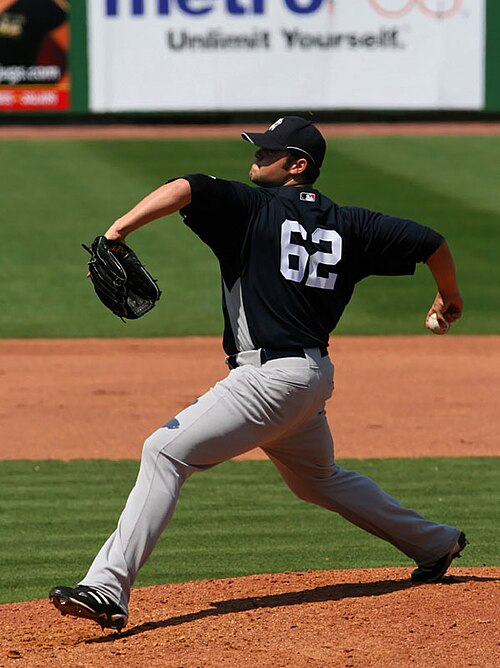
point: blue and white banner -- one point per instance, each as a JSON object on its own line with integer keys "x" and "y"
{"x": 214, "y": 55}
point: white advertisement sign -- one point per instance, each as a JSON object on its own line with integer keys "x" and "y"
{"x": 209, "y": 55}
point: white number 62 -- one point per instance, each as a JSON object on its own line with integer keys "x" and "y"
{"x": 306, "y": 262}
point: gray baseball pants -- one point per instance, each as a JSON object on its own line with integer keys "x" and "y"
{"x": 279, "y": 406}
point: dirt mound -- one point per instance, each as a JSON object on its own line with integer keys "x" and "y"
{"x": 358, "y": 618}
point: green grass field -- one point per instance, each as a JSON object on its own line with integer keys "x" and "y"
{"x": 57, "y": 194}
{"x": 237, "y": 519}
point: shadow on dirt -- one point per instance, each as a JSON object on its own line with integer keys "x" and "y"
{"x": 318, "y": 594}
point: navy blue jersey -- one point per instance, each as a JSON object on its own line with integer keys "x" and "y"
{"x": 290, "y": 258}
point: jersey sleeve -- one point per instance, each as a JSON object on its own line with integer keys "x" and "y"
{"x": 231, "y": 196}
{"x": 221, "y": 211}
{"x": 390, "y": 246}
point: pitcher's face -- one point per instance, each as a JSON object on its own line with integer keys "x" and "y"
{"x": 269, "y": 168}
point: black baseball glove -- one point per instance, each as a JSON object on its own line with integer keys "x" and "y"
{"x": 120, "y": 279}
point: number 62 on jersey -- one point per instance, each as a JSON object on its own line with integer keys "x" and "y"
{"x": 296, "y": 261}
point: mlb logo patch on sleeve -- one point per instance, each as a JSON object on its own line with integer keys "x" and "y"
{"x": 308, "y": 197}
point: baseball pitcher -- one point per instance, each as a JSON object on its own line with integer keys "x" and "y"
{"x": 290, "y": 259}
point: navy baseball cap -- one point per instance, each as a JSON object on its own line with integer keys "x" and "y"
{"x": 291, "y": 133}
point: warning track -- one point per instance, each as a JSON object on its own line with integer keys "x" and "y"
{"x": 224, "y": 131}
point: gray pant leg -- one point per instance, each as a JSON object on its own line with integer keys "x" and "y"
{"x": 306, "y": 463}
{"x": 279, "y": 407}
{"x": 148, "y": 510}
{"x": 245, "y": 410}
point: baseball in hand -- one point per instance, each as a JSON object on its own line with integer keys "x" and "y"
{"x": 434, "y": 326}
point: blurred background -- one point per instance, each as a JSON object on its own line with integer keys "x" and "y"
{"x": 223, "y": 59}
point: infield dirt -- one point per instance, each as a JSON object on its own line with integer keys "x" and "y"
{"x": 412, "y": 396}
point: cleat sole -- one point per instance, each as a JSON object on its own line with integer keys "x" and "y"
{"x": 68, "y": 606}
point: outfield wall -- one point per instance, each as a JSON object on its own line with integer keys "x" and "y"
{"x": 174, "y": 56}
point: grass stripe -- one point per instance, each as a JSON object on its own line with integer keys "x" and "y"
{"x": 237, "y": 519}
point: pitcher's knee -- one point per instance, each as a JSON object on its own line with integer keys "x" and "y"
{"x": 306, "y": 494}
{"x": 154, "y": 444}
{"x": 319, "y": 491}
{"x": 163, "y": 447}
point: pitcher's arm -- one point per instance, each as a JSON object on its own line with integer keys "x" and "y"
{"x": 163, "y": 201}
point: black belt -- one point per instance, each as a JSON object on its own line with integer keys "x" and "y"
{"x": 266, "y": 355}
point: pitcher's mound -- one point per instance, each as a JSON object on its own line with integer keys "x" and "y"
{"x": 316, "y": 619}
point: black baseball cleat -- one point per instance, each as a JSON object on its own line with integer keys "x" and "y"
{"x": 88, "y": 603}
{"x": 434, "y": 572}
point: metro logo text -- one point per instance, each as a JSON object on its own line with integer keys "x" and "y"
{"x": 204, "y": 7}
